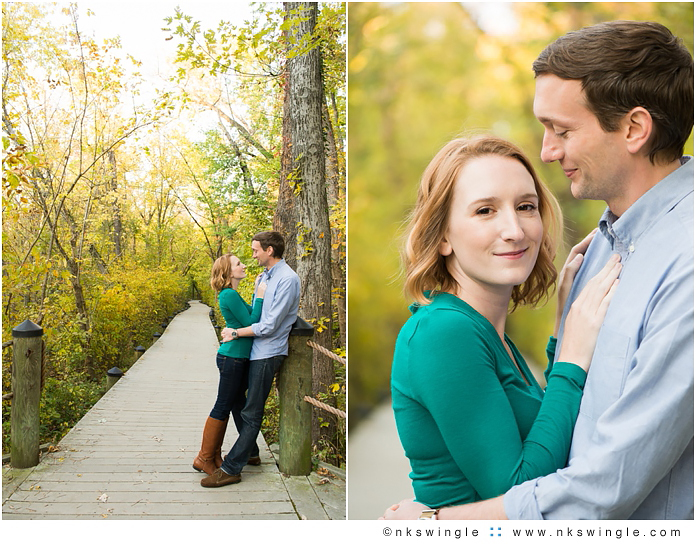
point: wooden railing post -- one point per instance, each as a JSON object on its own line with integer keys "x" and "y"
{"x": 112, "y": 377}
{"x": 26, "y": 389}
{"x": 294, "y": 383}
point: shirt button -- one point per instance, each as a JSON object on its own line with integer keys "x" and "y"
{"x": 631, "y": 249}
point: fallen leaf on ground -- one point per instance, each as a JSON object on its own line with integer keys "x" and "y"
{"x": 325, "y": 472}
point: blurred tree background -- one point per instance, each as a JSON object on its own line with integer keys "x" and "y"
{"x": 420, "y": 74}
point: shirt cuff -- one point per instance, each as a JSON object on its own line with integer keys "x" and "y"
{"x": 570, "y": 371}
{"x": 520, "y": 501}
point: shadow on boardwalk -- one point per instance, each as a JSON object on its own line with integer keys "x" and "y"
{"x": 130, "y": 456}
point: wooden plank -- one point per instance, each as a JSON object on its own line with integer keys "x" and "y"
{"x": 173, "y": 509}
{"x": 134, "y": 449}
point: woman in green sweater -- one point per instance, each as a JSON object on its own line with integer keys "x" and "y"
{"x": 232, "y": 360}
{"x": 482, "y": 238}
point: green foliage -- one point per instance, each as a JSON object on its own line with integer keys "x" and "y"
{"x": 131, "y": 309}
{"x": 332, "y": 449}
{"x": 63, "y": 404}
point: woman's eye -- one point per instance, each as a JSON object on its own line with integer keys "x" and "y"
{"x": 483, "y": 211}
{"x": 527, "y": 207}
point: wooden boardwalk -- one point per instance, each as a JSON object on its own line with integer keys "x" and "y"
{"x": 130, "y": 456}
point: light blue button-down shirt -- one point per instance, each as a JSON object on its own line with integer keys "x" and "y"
{"x": 280, "y": 304}
{"x": 632, "y": 454}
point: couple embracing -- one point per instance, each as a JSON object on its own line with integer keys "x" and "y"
{"x": 611, "y": 436}
{"x": 254, "y": 345}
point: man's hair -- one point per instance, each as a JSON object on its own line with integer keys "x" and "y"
{"x": 628, "y": 64}
{"x": 426, "y": 268}
{"x": 272, "y": 238}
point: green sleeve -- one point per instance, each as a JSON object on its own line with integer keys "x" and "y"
{"x": 550, "y": 356}
{"x": 236, "y": 311}
{"x": 453, "y": 367}
{"x": 255, "y": 313}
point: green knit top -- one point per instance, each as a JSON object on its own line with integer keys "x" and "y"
{"x": 471, "y": 423}
{"x": 238, "y": 313}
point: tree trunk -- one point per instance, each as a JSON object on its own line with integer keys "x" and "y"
{"x": 313, "y": 246}
{"x": 284, "y": 218}
{"x": 117, "y": 231}
{"x": 335, "y": 195}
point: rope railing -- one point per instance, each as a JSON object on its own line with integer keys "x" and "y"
{"x": 330, "y": 354}
{"x": 317, "y": 403}
{"x": 325, "y": 407}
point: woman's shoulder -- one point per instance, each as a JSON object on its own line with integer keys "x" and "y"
{"x": 446, "y": 306}
{"x": 227, "y": 293}
{"x": 447, "y": 316}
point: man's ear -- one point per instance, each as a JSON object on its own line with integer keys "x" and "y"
{"x": 638, "y": 129}
{"x": 272, "y": 250}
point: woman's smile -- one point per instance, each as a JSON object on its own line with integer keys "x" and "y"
{"x": 512, "y": 254}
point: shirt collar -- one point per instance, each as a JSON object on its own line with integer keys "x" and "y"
{"x": 623, "y": 232}
{"x": 269, "y": 272}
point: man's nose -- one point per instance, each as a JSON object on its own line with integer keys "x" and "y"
{"x": 551, "y": 150}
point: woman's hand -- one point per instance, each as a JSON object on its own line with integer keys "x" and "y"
{"x": 568, "y": 272}
{"x": 261, "y": 290}
{"x": 406, "y": 509}
{"x": 587, "y": 313}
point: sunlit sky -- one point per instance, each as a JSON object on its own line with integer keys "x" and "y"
{"x": 139, "y": 27}
{"x": 493, "y": 17}
{"x": 139, "y": 24}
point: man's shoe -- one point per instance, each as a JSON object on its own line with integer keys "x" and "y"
{"x": 220, "y": 478}
{"x": 254, "y": 461}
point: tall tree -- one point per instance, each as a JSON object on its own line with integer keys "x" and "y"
{"x": 307, "y": 177}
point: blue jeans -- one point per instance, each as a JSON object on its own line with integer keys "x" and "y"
{"x": 261, "y": 375}
{"x": 231, "y": 398}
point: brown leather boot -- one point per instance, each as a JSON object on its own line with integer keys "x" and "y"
{"x": 254, "y": 461}
{"x": 213, "y": 432}
{"x": 220, "y": 478}
{"x": 217, "y": 455}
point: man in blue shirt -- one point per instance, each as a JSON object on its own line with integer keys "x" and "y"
{"x": 269, "y": 349}
{"x": 616, "y": 103}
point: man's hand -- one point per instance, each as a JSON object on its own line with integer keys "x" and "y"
{"x": 406, "y": 509}
{"x": 226, "y": 334}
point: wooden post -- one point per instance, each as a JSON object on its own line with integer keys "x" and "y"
{"x": 26, "y": 387}
{"x": 112, "y": 376}
{"x": 139, "y": 351}
{"x": 294, "y": 383}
